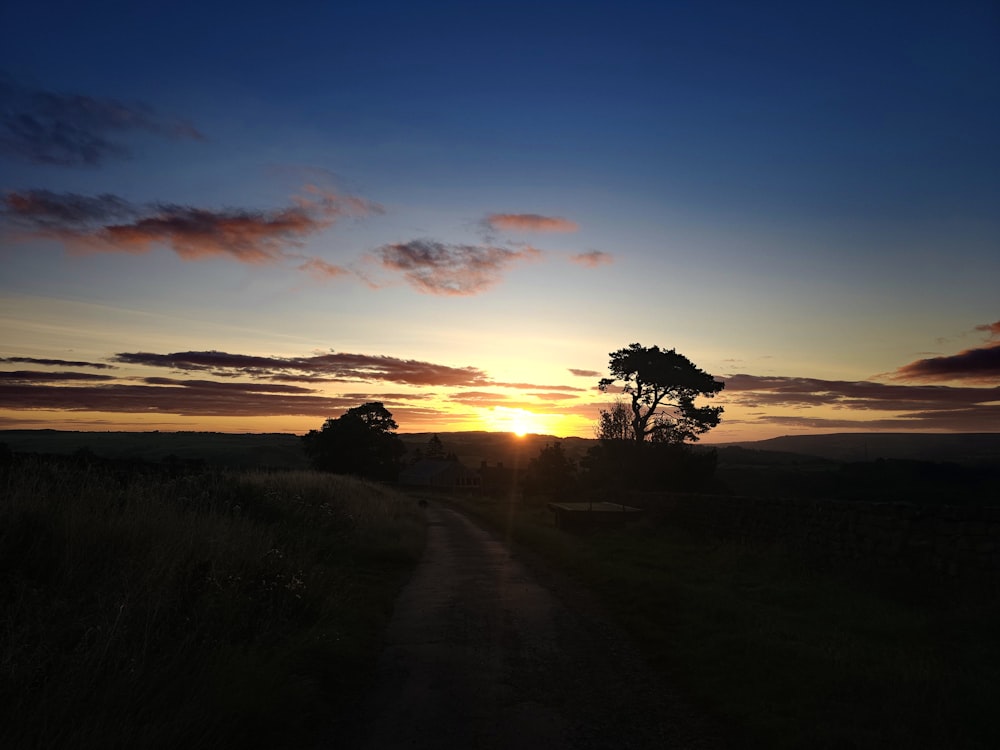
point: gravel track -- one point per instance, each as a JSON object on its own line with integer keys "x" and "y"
{"x": 487, "y": 652}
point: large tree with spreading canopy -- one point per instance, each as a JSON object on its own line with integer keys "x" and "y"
{"x": 661, "y": 386}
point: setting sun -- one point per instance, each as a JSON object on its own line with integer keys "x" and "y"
{"x": 519, "y": 421}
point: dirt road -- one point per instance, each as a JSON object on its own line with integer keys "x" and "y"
{"x": 484, "y": 653}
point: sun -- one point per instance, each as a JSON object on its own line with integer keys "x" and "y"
{"x": 519, "y": 421}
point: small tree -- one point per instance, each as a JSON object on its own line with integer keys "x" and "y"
{"x": 362, "y": 442}
{"x": 551, "y": 473}
{"x": 662, "y": 386}
{"x": 615, "y": 422}
{"x": 435, "y": 449}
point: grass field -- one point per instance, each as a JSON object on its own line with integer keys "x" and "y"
{"x": 214, "y": 610}
{"x": 783, "y": 654}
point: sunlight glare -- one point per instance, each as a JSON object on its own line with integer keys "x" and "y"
{"x": 519, "y": 421}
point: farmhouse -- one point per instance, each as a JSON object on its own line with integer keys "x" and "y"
{"x": 440, "y": 474}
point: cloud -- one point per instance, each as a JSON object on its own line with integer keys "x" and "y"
{"x": 975, "y": 365}
{"x": 536, "y": 386}
{"x": 976, "y": 419}
{"x": 917, "y": 403}
{"x": 215, "y": 385}
{"x": 585, "y": 373}
{"x": 457, "y": 270}
{"x": 107, "y": 223}
{"x": 64, "y": 212}
{"x": 529, "y": 223}
{"x": 322, "y": 270}
{"x": 57, "y": 362}
{"x": 41, "y": 376}
{"x": 912, "y": 407}
{"x": 194, "y": 400}
{"x": 981, "y": 365}
{"x": 45, "y": 127}
{"x": 331, "y": 366}
{"x": 593, "y": 258}
{"x": 991, "y": 328}
{"x": 479, "y": 398}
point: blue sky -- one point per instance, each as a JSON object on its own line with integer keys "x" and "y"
{"x": 801, "y": 199}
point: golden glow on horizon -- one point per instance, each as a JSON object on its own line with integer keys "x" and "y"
{"x": 519, "y": 421}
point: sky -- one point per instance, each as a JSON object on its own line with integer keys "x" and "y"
{"x": 250, "y": 217}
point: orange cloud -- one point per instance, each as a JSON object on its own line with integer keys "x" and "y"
{"x": 529, "y": 223}
{"x": 991, "y": 328}
{"x": 248, "y": 236}
{"x": 322, "y": 270}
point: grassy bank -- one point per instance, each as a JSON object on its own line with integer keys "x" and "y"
{"x": 217, "y": 610}
{"x": 784, "y": 654}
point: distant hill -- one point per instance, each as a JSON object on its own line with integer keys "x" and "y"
{"x": 472, "y": 448}
{"x": 283, "y": 450}
{"x": 977, "y": 447}
{"x": 274, "y": 450}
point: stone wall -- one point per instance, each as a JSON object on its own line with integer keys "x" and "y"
{"x": 953, "y": 541}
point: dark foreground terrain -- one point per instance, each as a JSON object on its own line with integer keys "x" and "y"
{"x": 485, "y": 652}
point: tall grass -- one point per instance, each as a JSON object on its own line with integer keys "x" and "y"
{"x": 784, "y": 653}
{"x": 213, "y": 610}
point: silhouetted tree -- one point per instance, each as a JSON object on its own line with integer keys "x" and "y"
{"x": 435, "y": 449}
{"x": 551, "y": 473}
{"x": 662, "y": 386}
{"x": 361, "y": 442}
{"x": 615, "y": 422}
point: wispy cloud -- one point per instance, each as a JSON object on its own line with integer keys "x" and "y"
{"x": 46, "y": 211}
{"x": 195, "y": 400}
{"x": 905, "y": 407}
{"x": 46, "y": 127}
{"x": 593, "y": 258}
{"x": 333, "y": 366}
{"x": 218, "y": 383}
{"x": 991, "y": 328}
{"x": 322, "y": 270}
{"x": 754, "y": 390}
{"x": 231, "y": 386}
{"x": 108, "y": 223}
{"x": 455, "y": 270}
{"x": 479, "y": 398}
{"x": 554, "y": 395}
{"x": 536, "y": 386}
{"x": 585, "y": 373}
{"x": 975, "y": 419}
{"x": 45, "y": 376}
{"x": 57, "y": 362}
{"x": 528, "y": 223}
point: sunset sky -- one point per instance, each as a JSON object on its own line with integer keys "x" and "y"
{"x": 251, "y": 216}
